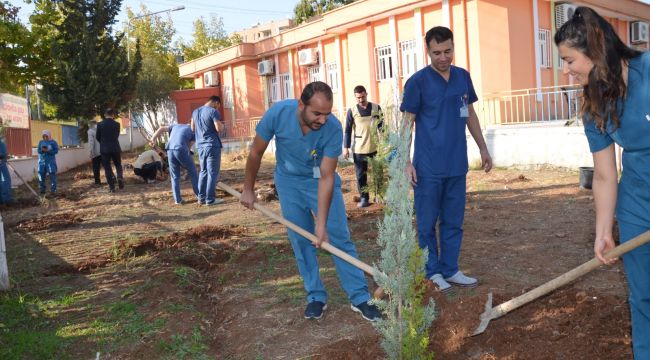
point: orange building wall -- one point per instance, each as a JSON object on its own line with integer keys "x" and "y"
{"x": 283, "y": 63}
{"x": 329, "y": 51}
{"x": 357, "y": 61}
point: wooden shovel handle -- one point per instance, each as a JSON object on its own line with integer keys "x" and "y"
{"x": 567, "y": 277}
{"x": 311, "y": 237}
{"x": 23, "y": 180}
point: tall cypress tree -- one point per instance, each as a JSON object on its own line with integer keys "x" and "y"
{"x": 91, "y": 71}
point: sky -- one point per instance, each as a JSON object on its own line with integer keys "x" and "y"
{"x": 236, "y": 15}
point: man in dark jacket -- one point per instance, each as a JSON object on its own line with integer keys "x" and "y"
{"x": 108, "y": 133}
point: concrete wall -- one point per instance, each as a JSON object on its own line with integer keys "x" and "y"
{"x": 533, "y": 145}
{"x": 67, "y": 158}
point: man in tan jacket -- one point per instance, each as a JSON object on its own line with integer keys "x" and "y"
{"x": 362, "y": 120}
{"x": 93, "y": 146}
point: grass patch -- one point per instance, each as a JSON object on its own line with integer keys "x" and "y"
{"x": 184, "y": 347}
{"x": 26, "y": 332}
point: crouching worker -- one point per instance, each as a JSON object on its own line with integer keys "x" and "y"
{"x": 309, "y": 140}
{"x": 47, "y": 150}
{"x": 181, "y": 138}
{"x": 147, "y": 165}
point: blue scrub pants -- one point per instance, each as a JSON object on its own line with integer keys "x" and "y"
{"x": 5, "y": 184}
{"x": 182, "y": 158}
{"x": 440, "y": 199}
{"x": 637, "y": 269}
{"x": 298, "y": 201}
{"x": 45, "y": 168}
{"x": 210, "y": 161}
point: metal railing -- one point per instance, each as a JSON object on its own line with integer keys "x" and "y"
{"x": 530, "y": 106}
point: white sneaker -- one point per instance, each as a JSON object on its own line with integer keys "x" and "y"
{"x": 461, "y": 280}
{"x": 440, "y": 283}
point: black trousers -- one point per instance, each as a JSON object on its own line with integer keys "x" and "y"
{"x": 97, "y": 164}
{"x": 361, "y": 170}
{"x": 148, "y": 171}
{"x": 116, "y": 157}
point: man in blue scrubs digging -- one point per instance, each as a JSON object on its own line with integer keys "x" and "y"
{"x": 439, "y": 100}
{"x": 309, "y": 139}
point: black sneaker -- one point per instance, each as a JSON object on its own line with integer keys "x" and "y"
{"x": 369, "y": 312}
{"x": 315, "y": 310}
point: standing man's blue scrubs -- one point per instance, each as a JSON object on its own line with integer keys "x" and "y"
{"x": 5, "y": 178}
{"x": 438, "y": 99}
{"x": 47, "y": 150}
{"x": 207, "y": 123}
{"x": 178, "y": 148}
{"x": 308, "y": 142}
{"x": 633, "y": 199}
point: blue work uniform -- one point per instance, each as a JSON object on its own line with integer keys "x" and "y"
{"x": 296, "y": 181}
{"x": 441, "y": 110}
{"x": 178, "y": 154}
{"x": 5, "y": 178}
{"x": 633, "y": 202}
{"x": 47, "y": 149}
{"x": 208, "y": 145}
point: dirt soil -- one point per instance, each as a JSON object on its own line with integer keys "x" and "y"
{"x": 522, "y": 228}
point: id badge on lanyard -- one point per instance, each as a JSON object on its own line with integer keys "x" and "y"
{"x": 464, "y": 110}
{"x": 315, "y": 168}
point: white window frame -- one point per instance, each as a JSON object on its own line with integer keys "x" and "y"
{"x": 332, "y": 76}
{"x": 227, "y": 97}
{"x": 314, "y": 73}
{"x": 544, "y": 40}
{"x": 409, "y": 58}
{"x": 384, "y": 62}
{"x": 279, "y": 87}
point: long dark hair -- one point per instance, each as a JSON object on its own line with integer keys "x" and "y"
{"x": 593, "y": 36}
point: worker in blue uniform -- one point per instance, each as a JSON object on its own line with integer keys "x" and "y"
{"x": 616, "y": 109}
{"x": 308, "y": 141}
{"x": 439, "y": 100}
{"x": 208, "y": 125}
{"x": 5, "y": 178}
{"x": 181, "y": 138}
{"x": 47, "y": 150}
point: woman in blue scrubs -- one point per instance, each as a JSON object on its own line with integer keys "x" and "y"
{"x": 616, "y": 109}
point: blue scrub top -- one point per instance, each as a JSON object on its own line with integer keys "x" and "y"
{"x": 180, "y": 137}
{"x": 206, "y": 133}
{"x": 633, "y": 135}
{"x": 3, "y": 152}
{"x": 49, "y": 156}
{"x": 440, "y": 148}
{"x": 297, "y": 154}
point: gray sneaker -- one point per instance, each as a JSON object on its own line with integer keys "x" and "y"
{"x": 461, "y": 279}
{"x": 216, "y": 201}
{"x": 440, "y": 283}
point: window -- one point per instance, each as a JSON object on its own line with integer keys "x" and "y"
{"x": 544, "y": 39}
{"x": 409, "y": 57}
{"x": 314, "y": 73}
{"x": 332, "y": 71}
{"x": 274, "y": 89}
{"x": 279, "y": 87}
{"x": 227, "y": 97}
{"x": 384, "y": 61}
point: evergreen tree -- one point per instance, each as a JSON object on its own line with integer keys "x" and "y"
{"x": 90, "y": 67}
{"x": 405, "y": 329}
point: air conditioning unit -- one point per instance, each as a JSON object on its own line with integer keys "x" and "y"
{"x": 211, "y": 78}
{"x": 563, "y": 12}
{"x": 307, "y": 57}
{"x": 638, "y": 32}
{"x": 265, "y": 67}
